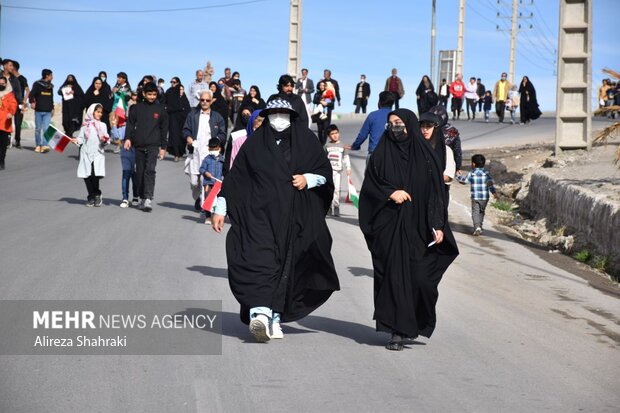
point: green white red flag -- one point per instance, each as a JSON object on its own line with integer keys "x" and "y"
{"x": 56, "y": 139}
{"x": 352, "y": 196}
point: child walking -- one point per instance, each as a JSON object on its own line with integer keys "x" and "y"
{"x": 147, "y": 132}
{"x": 481, "y": 185}
{"x": 339, "y": 158}
{"x": 211, "y": 169}
{"x": 488, "y": 103}
{"x": 128, "y": 160}
{"x": 92, "y": 139}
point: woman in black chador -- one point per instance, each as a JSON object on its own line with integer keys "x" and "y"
{"x": 278, "y": 248}
{"x": 177, "y": 107}
{"x": 72, "y": 105}
{"x": 529, "y": 103}
{"x": 403, "y": 210}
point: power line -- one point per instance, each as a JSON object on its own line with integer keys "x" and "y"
{"x": 540, "y": 54}
{"x": 528, "y": 59}
{"x": 544, "y": 22}
{"x": 480, "y": 14}
{"x": 215, "y": 6}
{"x": 550, "y": 43}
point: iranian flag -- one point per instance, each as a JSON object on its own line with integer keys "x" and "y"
{"x": 207, "y": 205}
{"x": 56, "y": 139}
{"x": 352, "y": 196}
{"x": 119, "y": 108}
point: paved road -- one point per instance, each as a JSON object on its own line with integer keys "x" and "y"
{"x": 515, "y": 333}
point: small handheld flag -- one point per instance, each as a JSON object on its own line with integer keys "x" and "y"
{"x": 352, "y": 196}
{"x": 56, "y": 139}
{"x": 207, "y": 205}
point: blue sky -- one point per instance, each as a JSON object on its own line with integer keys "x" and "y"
{"x": 349, "y": 37}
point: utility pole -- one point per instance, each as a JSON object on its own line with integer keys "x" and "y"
{"x": 573, "y": 120}
{"x": 461, "y": 35}
{"x": 434, "y": 12}
{"x": 513, "y": 42}
{"x": 294, "y": 39}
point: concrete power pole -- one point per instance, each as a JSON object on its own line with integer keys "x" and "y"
{"x": 434, "y": 12}
{"x": 294, "y": 39}
{"x": 513, "y": 42}
{"x": 461, "y": 35}
{"x": 573, "y": 127}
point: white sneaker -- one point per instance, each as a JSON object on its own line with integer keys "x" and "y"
{"x": 259, "y": 327}
{"x": 148, "y": 207}
{"x": 276, "y": 330}
{"x": 124, "y": 204}
{"x": 477, "y": 232}
{"x": 323, "y": 116}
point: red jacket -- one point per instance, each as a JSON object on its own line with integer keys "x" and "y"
{"x": 8, "y": 105}
{"x": 457, "y": 89}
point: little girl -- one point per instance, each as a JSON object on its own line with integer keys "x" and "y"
{"x": 92, "y": 139}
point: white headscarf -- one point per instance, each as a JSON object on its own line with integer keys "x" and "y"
{"x": 90, "y": 120}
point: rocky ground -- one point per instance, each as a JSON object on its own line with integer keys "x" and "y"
{"x": 593, "y": 171}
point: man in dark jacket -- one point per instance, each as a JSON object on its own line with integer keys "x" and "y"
{"x": 362, "y": 92}
{"x": 147, "y": 131}
{"x": 197, "y": 138}
{"x": 481, "y": 89}
{"x": 286, "y": 84}
{"x": 41, "y": 100}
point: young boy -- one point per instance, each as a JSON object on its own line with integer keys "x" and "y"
{"x": 211, "y": 169}
{"x": 128, "y": 159}
{"x": 147, "y": 132}
{"x": 339, "y": 158}
{"x": 481, "y": 184}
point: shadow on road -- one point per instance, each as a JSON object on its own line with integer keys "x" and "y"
{"x": 361, "y": 334}
{"x": 174, "y": 205}
{"x": 360, "y": 271}
{"x": 210, "y": 271}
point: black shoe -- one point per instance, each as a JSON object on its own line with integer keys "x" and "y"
{"x": 197, "y": 205}
{"x": 1, "y": 166}
{"x": 90, "y": 202}
{"x": 396, "y": 343}
{"x": 17, "y": 146}
{"x": 98, "y": 201}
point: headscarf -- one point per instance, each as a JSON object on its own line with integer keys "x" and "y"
{"x": 91, "y": 121}
{"x": 249, "y": 128}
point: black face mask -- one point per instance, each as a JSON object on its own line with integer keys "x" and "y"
{"x": 2, "y": 88}
{"x": 397, "y": 133}
{"x": 244, "y": 119}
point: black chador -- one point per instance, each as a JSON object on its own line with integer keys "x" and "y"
{"x": 406, "y": 270}
{"x": 279, "y": 247}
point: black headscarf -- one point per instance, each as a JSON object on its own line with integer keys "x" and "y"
{"x": 247, "y": 100}
{"x": 406, "y": 270}
{"x": 104, "y": 97}
{"x": 72, "y": 109}
{"x": 278, "y": 246}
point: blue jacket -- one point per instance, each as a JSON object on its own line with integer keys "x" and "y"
{"x": 216, "y": 123}
{"x": 374, "y": 125}
{"x": 214, "y": 165}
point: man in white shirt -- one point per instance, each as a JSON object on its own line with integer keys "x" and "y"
{"x": 196, "y": 87}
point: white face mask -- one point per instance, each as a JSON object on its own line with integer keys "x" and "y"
{"x": 279, "y": 121}
{"x": 214, "y": 153}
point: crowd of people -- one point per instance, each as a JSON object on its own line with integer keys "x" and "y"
{"x": 277, "y": 180}
{"x": 609, "y": 95}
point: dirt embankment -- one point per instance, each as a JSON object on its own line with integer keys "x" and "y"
{"x": 591, "y": 173}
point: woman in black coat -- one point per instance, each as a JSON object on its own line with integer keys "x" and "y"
{"x": 403, "y": 215}
{"x": 177, "y": 107}
{"x": 219, "y": 103}
{"x": 72, "y": 105}
{"x": 253, "y": 100}
{"x": 97, "y": 93}
{"x": 529, "y": 103}
{"x": 425, "y": 95}
{"x": 322, "y": 124}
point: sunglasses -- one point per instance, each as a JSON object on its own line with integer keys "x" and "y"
{"x": 205, "y": 100}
